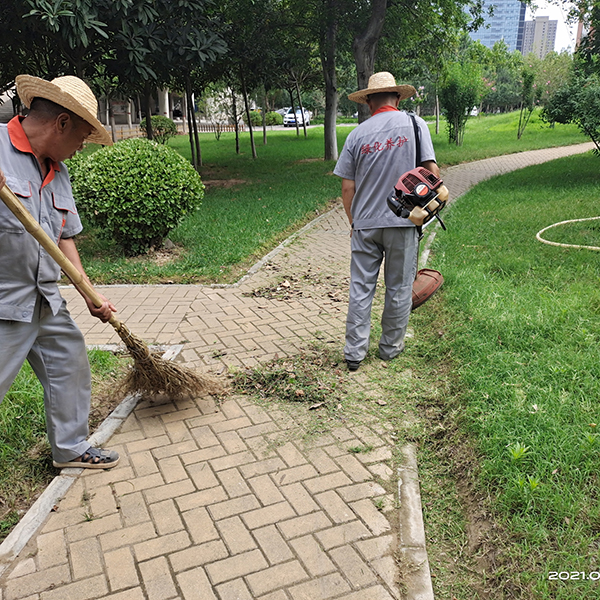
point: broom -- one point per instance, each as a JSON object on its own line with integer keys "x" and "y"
{"x": 150, "y": 374}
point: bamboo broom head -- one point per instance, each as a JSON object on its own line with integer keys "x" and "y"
{"x": 151, "y": 374}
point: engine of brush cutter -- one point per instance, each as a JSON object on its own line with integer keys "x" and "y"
{"x": 419, "y": 196}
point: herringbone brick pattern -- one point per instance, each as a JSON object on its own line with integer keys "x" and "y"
{"x": 220, "y": 503}
{"x": 228, "y": 325}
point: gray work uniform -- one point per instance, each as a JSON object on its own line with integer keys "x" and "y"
{"x": 34, "y": 321}
{"x": 375, "y": 155}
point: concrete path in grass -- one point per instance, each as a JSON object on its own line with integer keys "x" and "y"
{"x": 234, "y": 502}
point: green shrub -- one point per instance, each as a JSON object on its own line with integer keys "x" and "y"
{"x": 163, "y": 128}
{"x": 460, "y": 91}
{"x": 136, "y": 191}
{"x": 255, "y": 117}
{"x": 273, "y": 118}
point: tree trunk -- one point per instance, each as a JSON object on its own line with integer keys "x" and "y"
{"x": 301, "y": 107}
{"x": 190, "y": 130}
{"x": 139, "y": 108}
{"x": 437, "y": 112}
{"x": 264, "y": 120}
{"x": 245, "y": 93}
{"x": 147, "y": 104}
{"x": 291, "y": 93}
{"x": 16, "y": 104}
{"x": 328, "y": 47}
{"x": 364, "y": 48}
{"x": 191, "y": 118}
{"x": 111, "y": 116}
{"x": 195, "y": 127}
{"x": 235, "y": 123}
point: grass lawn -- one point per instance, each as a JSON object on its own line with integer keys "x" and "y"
{"x": 495, "y": 135}
{"x": 513, "y": 341}
{"x": 251, "y": 205}
{"x": 25, "y": 459}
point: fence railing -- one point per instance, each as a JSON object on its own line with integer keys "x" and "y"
{"x": 123, "y": 132}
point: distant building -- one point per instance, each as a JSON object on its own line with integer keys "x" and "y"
{"x": 505, "y": 24}
{"x": 539, "y": 36}
{"x": 582, "y": 31}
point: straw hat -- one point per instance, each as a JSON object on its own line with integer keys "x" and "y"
{"x": 69, "y": 92}
{"x": 382, "y": 82}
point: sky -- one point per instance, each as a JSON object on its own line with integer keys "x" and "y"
{"x": 565, "y": 35}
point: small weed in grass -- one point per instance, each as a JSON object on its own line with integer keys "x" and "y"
{"x": 379, "y": 504}
{"x": 360, "y": 449}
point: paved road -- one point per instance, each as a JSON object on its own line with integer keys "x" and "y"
{"x": 231, "y": 502}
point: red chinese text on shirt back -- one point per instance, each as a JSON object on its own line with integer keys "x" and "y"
{"x": 379, "y": 147}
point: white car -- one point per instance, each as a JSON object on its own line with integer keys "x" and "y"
{"x": 289, "y": 119}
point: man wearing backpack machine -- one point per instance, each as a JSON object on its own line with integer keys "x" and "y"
{"x": 374, "y": 157}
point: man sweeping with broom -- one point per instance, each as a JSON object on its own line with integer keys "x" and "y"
{"x": 34, "y": 321}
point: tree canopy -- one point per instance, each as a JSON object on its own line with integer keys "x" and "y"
{"x": 317, "y": 51}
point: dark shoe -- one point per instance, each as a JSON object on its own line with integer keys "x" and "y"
{"x": 353, "y": 364}
{"x": 93, "y": 458}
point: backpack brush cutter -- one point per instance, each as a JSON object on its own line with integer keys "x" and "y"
{"x": 419, "y": 196}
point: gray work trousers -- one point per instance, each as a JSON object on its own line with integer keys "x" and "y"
{"x": 369, "y": 247}
{"x": 56, "y": 351}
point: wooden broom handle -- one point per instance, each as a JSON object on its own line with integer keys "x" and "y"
{"x": 34, "y": 228}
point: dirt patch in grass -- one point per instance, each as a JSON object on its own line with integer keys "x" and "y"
{"x": 467, "y": 544}
{"x": 217, "y": 177}
{"x": 224, "y": 183}
{"x": 160, "y": 256}
{"x": 469, "y": 550}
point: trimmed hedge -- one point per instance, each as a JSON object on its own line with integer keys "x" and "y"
{"x": 136, "y": 191}
{"x": 163, "y": 128}
{"x": 271, "y": 118}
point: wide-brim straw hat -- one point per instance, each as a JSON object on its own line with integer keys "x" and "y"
{"x": 69, "y": 92}
{"x": 382, "y": 82}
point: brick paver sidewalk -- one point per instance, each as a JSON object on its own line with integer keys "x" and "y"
{"x": 231, "y": 502}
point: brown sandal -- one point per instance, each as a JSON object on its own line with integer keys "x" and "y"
{"x": 92, "y": 458}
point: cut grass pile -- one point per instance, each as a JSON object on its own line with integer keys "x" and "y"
{"x": 25, "y": 457}
{"x": 252, "y": 205}
{"x": 519, "y": 326}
